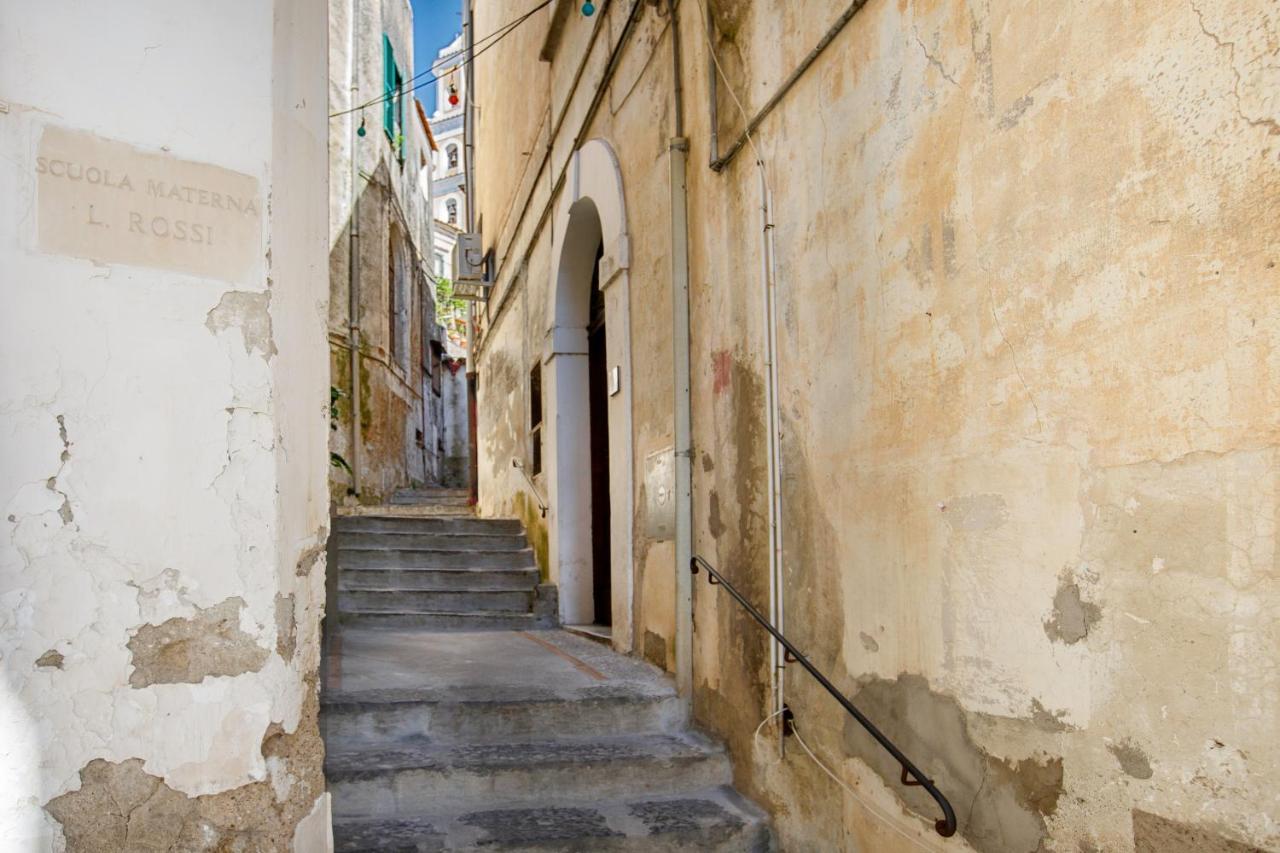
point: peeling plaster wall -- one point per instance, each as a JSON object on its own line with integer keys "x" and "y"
{"x": 1027, "y": 266}
{"x": 163, "y": 474}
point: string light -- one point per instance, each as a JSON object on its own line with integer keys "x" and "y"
{"x": 360, "y": 131}
{"x": 453, "y": 95}
{"x": 410, "y": 85}
{"x": 588, "y": 8}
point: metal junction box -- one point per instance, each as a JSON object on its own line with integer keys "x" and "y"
{"x": 660, "y": 495}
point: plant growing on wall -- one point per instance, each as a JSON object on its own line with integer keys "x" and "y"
{"x": 335, "y": 459}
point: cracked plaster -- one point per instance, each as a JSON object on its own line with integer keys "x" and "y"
{"x": 144, "y": 475}
{"x": 1028, "y": 352}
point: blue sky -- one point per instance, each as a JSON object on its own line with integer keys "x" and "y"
{"x": 435, "y": 23}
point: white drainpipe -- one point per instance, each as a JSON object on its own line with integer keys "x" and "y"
{"x": 679, "y": 153}
{"x": 768, "y": 280}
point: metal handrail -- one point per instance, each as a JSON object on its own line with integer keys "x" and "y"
{"x": 911, "y": 775}
{"x": 542, "y": 505}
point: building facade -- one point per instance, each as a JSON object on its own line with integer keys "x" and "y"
{"x": 163, "y": 383}
{"x": 449, "y": 183}
{"x": 959, "y": 319}
{"x": 384, "y": 340}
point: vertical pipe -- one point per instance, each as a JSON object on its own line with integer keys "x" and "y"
{"x": 353, "y": 260}
{"x": 712, "y": 91}
{"x": 679, "y": 153}
{"x": 775, "y": 445}
{"x": 766, "y": 298}
{"x": 468, "y": 155}
{"x": 468, "y": 113}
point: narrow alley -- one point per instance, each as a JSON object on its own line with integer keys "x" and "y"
{"x": 751, "y": 426}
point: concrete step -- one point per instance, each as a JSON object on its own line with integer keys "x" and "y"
{"x": 437, "y": 579}
{"x": 420, "y": 601}
{"x": 435, "y": 541}
{"x": 481, "y": 621}
{"x": 422, "y": 776}
{"x": 430, "y": 558}
{"x": 391, "y": 523}
{"x": 373, "y": 716}
{"x": 713, "y": 819}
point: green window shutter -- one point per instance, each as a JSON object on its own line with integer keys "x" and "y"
{"x": 399, "y": 100}
{"x": 388, "y": 87}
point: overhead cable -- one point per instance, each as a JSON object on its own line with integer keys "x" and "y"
{"x": 492, "y": 39}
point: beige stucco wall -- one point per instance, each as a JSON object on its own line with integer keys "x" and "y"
{"x": 163, "y": 475}
{"x": 1026, "y": 260}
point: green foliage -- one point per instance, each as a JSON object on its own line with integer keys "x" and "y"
{"x": 335, "y": 459}
{"x": 335, "y": 394}
{"x": 447, "y": 305}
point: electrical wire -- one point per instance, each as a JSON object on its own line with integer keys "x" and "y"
{"x": 865, "y": 803}
{"x": 501, "y": 32}
{"x": 476, "y": 50}
{"x": 765, "y": 722}
{"x": 496, "y": 36}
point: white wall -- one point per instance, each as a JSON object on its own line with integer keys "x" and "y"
{"x": 165, "y": 431}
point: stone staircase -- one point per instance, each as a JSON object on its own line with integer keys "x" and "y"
{"x": 451, "y": 723}
{"x": 439, "y": 570}
{"x": 444, "y": 501}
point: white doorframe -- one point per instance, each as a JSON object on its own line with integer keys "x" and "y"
{"x": 590, "y": 213}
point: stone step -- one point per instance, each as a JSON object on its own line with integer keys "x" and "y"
{"x": 430, "y": 558}
{"x": 481, "y": 621}
{"x": 435, "y": 541}
{"x": 394, "y": 714}
{"x": 431, "y": 497}
{"x": 437, "y": 579}
{"x": 392, "y": 523}
{"x": 712, "y": 819}
{"x": 391, "y": 510}
{"x": 435, "y": 601}
{"x": 420, "y": 776}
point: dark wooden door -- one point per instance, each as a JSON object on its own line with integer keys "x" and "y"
{"x": 598, "y": 380}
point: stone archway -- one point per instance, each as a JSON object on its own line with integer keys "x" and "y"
{"x": 590, "y": 221}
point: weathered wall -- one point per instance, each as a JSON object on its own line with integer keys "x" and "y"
{"x": 394, "y": 414}
{"x": 454, "y": 424}
{"x": 163, "y": 397}
{"x": 1026, "y": 260}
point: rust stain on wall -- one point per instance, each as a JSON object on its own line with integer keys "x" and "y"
{"x": 721, "y": 370}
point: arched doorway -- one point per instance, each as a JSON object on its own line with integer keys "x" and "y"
{"x": 587, "y": 374}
